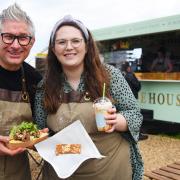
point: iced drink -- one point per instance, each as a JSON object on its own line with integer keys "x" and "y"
{"x": 101, "y": 105}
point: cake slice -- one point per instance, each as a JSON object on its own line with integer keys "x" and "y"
{"x": 68, "y": 149}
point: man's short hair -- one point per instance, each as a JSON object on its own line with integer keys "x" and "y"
{"x": 14, "y": 12}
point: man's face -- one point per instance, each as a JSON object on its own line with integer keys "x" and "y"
{"x": 13, "y": 55}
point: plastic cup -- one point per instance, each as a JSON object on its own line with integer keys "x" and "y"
{"x": 101, "y": 105}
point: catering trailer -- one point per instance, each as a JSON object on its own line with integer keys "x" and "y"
{"x": 138, "y": 43}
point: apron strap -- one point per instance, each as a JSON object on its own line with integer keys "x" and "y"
{"x": 25, "y": 95}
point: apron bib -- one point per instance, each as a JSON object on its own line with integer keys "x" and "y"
{"x": 116, "y": 165}
{"x": 14, "y": 108}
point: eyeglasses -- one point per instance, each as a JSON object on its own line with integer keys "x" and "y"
{"x": 9, "y": 38}
{"x": 62, "y": 43}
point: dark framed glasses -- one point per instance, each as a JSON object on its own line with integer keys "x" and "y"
{"x": 9, "y": 38}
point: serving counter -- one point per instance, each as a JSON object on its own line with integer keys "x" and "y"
{"x": 160, "y": 92}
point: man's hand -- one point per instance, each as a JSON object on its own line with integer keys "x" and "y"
{"x": 5, "y": 151}
{"x": 45, "y": 130}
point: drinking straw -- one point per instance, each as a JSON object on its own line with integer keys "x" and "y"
{"x": 104, "y": 89}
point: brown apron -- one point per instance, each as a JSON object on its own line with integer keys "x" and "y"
{"x": 13, "y": 110}
{"x": 116, "y": 165}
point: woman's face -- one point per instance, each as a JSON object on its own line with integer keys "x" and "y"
{"x": 70, "y": 47}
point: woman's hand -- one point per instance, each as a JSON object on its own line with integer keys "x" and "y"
{"x": 5, "y": 151}
{"x": 116, "y": 120}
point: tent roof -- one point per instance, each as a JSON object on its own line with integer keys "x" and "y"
{"x": 164, "y": 24}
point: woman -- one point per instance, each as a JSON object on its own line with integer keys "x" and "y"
{"x": 162, "y": 63}
{"x": 74, "y": 79}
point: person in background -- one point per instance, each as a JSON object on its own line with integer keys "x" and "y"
{"x": 101, "y": 57}
{"x": 131, "y": 79}
{"x": 74, "y": 79}
{"x": 135, "y": 86}
{"x": 17, "y": 87}
{"x": 162, "y": 63}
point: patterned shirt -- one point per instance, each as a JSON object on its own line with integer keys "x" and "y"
{"x": 125, "y": 103}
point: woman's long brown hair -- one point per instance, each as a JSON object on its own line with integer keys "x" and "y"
{"x": 94, "y": 71}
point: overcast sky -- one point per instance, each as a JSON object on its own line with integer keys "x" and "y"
{"x": 94, "y": 14}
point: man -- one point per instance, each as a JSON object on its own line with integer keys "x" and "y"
{"x": 131, "y": 79}
{"x": 135, "y": 86}
{"x": 17, "y": 87}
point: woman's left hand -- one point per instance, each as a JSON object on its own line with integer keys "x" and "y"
{"x": 116, "y": 120}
